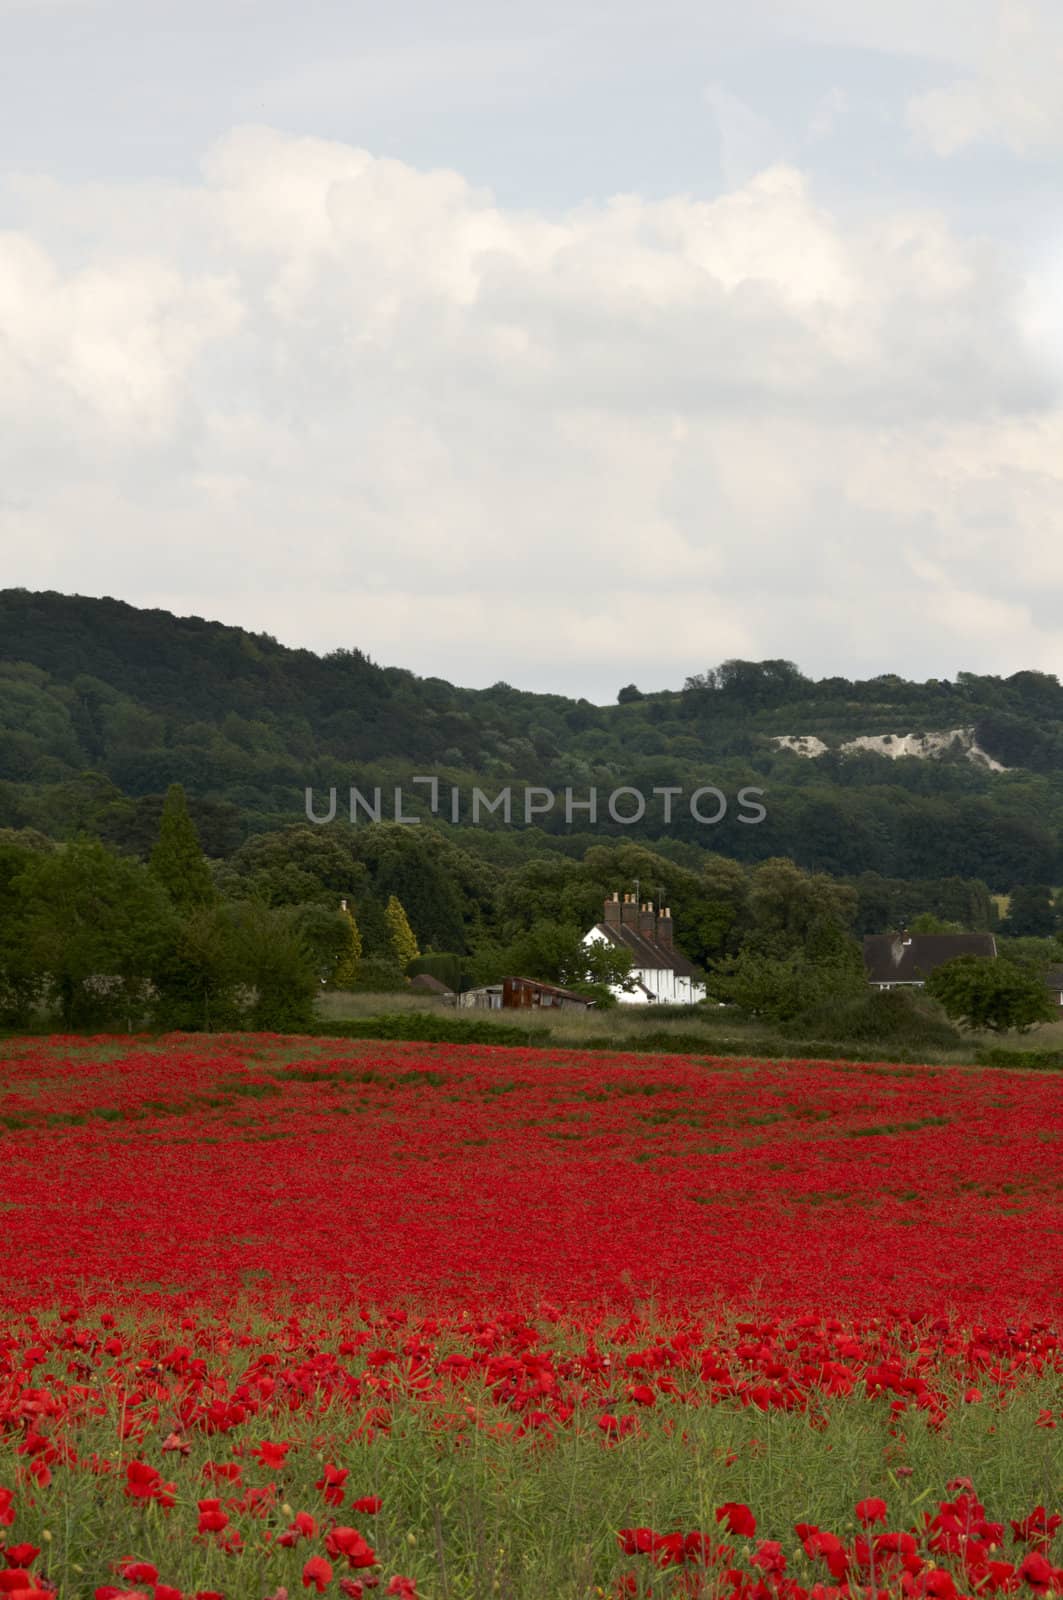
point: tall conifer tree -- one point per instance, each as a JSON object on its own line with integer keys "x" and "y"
{"x": 401, "y": 936}
{"x": 346, "y": 973}
{"x": 177, "y": 860}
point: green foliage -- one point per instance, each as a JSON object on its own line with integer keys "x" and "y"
{"x": 380, "y": 975}
{"x": 879, "y": 1020}
{"x": 402, "y": 943}
{"x": 103, "y": 707}
{"x": 988, "y": 992}
{"x": 928, "y": 923}
{"x": 345, "y": 974}
{"x": 198, "y": 976}
{"x": 94, "y": 926}
{"x": 790, "y": 910}
{"x": 1033, "y": 954}
{"x": 428, "y": 1026}
{"x": 20, "y": 977}
{"x": 1032, "y": 912}
{"x": 1022, "y": 1060}
{"x": 177, "y": 860}
{"x": 441, "y": 964}
{"x": 554, "y": 953}
{"x": 275, "y": 963}
{"x": 783, "y": 990}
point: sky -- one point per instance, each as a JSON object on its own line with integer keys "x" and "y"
{"x": 568, "y": 345}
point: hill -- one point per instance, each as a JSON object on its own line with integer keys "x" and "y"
{"x": 102, "y": 705}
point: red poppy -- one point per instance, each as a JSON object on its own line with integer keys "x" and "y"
{"x": 212, "y": 1519}
{"x": 331, "y": 1483}
{"x": 349, "y": 1542}
{"x": 317, "y": 1573}
{"x": 737, "y": 1518}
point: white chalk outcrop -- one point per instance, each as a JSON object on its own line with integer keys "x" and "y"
{"x": 924, "y": 746}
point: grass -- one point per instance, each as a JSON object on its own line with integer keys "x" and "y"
{"x": 712, "y": 1032}
{"x": 520, "y": 1519}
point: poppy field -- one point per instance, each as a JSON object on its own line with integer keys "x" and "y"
{"x": 287, "y": 1316}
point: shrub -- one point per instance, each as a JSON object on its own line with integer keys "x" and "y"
{"x": 878, "y": 1018}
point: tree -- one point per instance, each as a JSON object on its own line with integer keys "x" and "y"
{"x": 20, "y": 980}
{"x": 401, "y": 939}
{"x": 782, "y": 989}
{"x": 926, "y": 922}
{"x": 96, "y": 926}
{"x": 197, "y": 976}
{"x": 629, "y": 693}
{"x": 345, "y": 975}
{"x": 990, "y": 992}
{"x": 1031, "y": 912}
{"x": 555, "y": 952}
{"x": 274, "y": 962}
{"x": 786, "y": 906}
{"x": 177, "y": 860}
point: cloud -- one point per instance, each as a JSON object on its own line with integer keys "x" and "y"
{"x": 1012, "y": 98}
{"x": 355, "y": 402}
{"x": 748, "y": 143}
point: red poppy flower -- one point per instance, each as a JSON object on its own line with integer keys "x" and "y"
{"x": 303, "y": 1527}
{"x": 212, "y": 1519}
{"x": 331, "y": 1483}
{"x": 137, "y": 1571}
{"x": 349, "y": 1542}
{"x": 318, "y": 1573}
{"x": 737, "y": 1518}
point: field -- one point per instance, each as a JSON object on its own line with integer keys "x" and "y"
{"x": 291, "y": 1314}
{"x": 716, "y": 1030}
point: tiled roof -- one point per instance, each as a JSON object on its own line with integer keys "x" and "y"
{"x": 892, "y": 958}
{"x": 647, "y": 953}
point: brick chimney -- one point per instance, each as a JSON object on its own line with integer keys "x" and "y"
{"x": 612, "y": 912}
{"x": 629, "y": 912}
{"x": 647, "y": 921}
{"x": 664, "y": 929}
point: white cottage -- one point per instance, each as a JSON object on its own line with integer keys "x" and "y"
{"x": 661, "y": 971}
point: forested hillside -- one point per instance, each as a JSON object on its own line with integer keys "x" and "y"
{"x": 102, "y": 706}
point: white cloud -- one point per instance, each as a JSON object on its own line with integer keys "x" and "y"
{"x": 353, "y": 402}
{"x": 1012, "y": 98}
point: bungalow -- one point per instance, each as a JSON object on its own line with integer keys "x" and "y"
{"x": 1054, "y": 982}
{"x": 906, "y": 960}
{"x": 660, "y": 969}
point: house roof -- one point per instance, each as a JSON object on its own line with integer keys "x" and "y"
{"x": 551, "y": 988}
{"x": 431, "y": 984}
{"x": 896, "y": 958}
{"x": 647, "y": 953}
{"x": 1054, "y": 977}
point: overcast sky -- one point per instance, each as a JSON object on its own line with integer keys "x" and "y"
{"x": 569, "y": 344}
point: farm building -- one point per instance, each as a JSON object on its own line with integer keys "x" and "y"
{"x": 515, "y": 994}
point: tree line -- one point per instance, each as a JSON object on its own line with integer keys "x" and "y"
{"x": 103, "y": 706}
{"x": 109, "y": 938}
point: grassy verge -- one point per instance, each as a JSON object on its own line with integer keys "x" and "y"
{"x": 690, "y": 1033}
